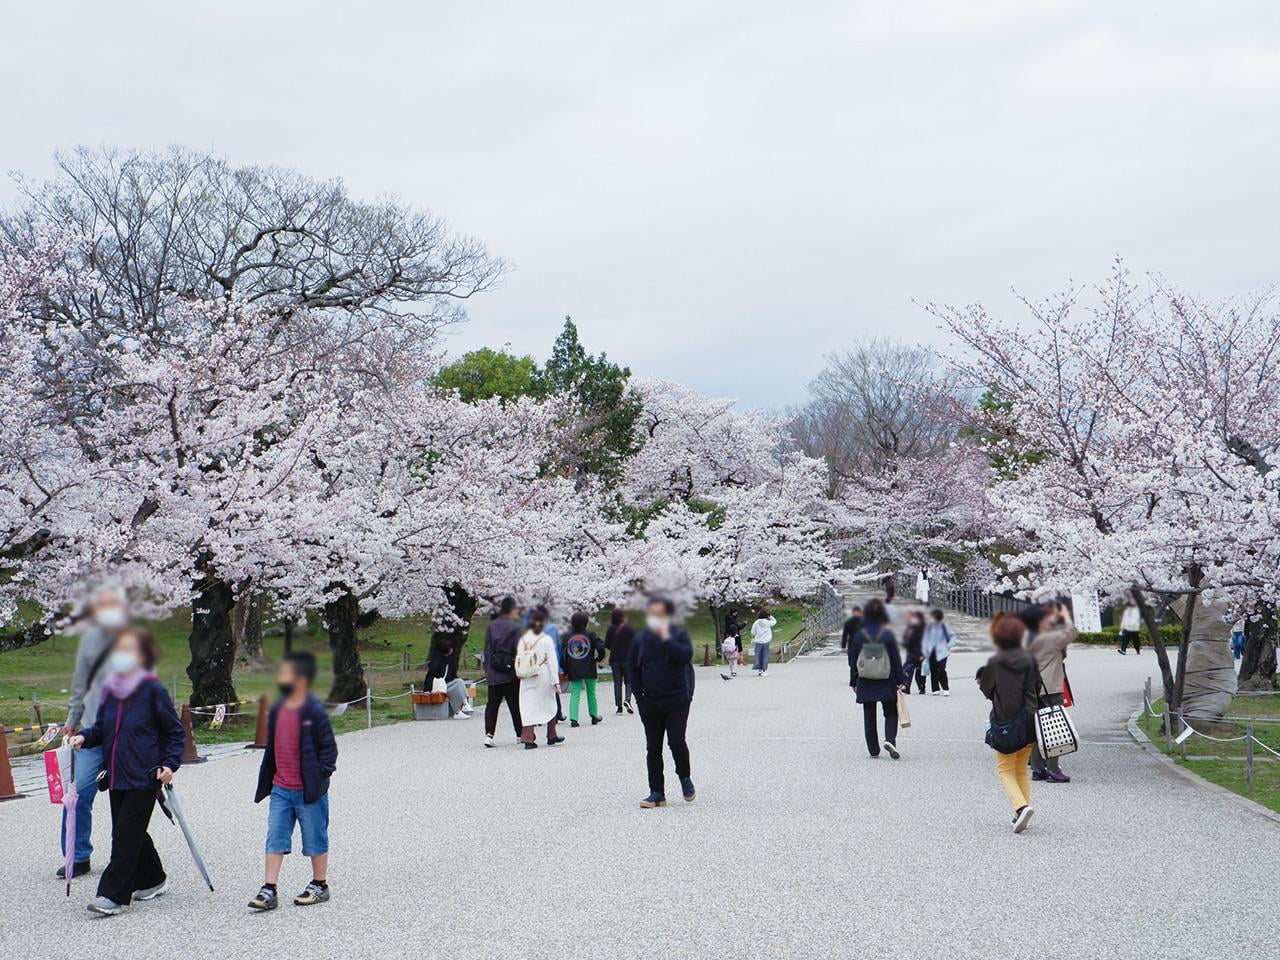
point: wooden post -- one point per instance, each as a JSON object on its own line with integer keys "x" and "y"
{"x": 1248, "y": 756}
{"x": 189, "y": 754}
{"x": 260, "y": 732}
{"x": 706, "y": 654}
{"x": 7, "y": 789}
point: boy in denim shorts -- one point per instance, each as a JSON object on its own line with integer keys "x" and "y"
{"x": 300, "y": 757}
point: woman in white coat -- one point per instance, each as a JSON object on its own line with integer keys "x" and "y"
{"x": 537, "y": 668}
{"x": 761, "y": 639}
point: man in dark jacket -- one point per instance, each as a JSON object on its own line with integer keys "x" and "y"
{"x": 300, "y": 757}
{"x": 661, "y": 668}
{"x": 851, "y": 627}
{"x": 617, "y": 640}
{"x": 500, "y": 641}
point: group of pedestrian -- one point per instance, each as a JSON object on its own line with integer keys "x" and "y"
{"x": 761, "y": 642}
{"x": 129, "y": 741}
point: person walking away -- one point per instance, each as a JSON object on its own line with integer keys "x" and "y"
{"x": 1010, "y": 680}
{"x": 733, "y": 628}
{"x": 617, "y": 641}
{"x": 762, "y": 639}
{"x": 1130, "y": 626}
{"x": 501, "y": 638}
{"x": 729, "y": 650}
{"x": 1237, "y": 639}
{"x": 913, "y": 651}
{"x": 301, "y": 756}
{"x": 581, "y": 652}
{"x": 1050, "y": 632}
{"x": 538, "y": 670}
{"x": 141, "y": 740}
{"x": 662, "y": 677}
{"x": 851, "y": 626}
{"x": 552, "y": 631}
{"x": 875, "y": 674}
{"x": 108, "y": 615}
{"x": 938, "y": 641}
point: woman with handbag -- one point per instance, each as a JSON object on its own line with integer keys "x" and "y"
{"x": 1010, "y": 680}
{"x": 1050, "y": 632}
{"x": 875, "y": 673}
{"x": 539, "y": 673}
{"x": 141, "y": 739}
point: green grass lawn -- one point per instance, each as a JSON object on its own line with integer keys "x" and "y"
{"x": 1223, "y": 763}
{"x": 44, "y": 671}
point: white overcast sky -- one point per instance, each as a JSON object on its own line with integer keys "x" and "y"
{"x": 719, "y": 193}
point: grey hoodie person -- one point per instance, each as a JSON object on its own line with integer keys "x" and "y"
{"x": 86, "y": 686}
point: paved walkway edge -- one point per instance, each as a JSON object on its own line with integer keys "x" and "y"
{"x": 1240, "y": 800}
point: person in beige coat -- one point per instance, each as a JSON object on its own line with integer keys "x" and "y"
{"x": 1049, "y": 633}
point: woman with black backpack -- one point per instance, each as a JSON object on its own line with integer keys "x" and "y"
{"x": 1010, "y": 680}
{"x": 875, "y": 673}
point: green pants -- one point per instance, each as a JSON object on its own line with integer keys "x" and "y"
{"x": 593, "y": 708}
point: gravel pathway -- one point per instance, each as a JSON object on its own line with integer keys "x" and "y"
{"x": 798, "y": 846}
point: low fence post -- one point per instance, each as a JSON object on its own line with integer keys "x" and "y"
{"x": 368, "y": 706}
{"x": 1248, "y": 757}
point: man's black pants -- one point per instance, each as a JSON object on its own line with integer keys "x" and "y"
{"x": 510, "y": 692}
{"x": 670, "y": 723}
{"x": 134, "y": 865}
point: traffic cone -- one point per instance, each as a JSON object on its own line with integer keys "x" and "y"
{"x": 706, "y": 654}
{"x": 189, "y": 754}
{"x": 260, "y": 734}
{"x": 7, "y": 790}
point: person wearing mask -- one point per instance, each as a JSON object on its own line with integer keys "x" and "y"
{"x": 581, "y": 652}
{"x": 1010, "y": 679}
{"x": 661, "y": 662}
{"x": 141, "y": 738}
{"x": 538, "y": 670}
{"x": 617, "y": 641}
{"x": 913, "y": 652}
{"x": 762, "y": 640}
{"x": 938, "y": 641}
{"x": 300, "y": 757}
{"x": 875, "y": 674}
{"x": 108, "y": 615}
{"x": 851, "y": 626}
{"x": 1049, "y": 633}
{"x": 500, "y": 641}
{"x": 1130, "y": 627}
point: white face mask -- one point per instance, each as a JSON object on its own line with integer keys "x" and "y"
{"x": 123, "y": 661}
{"x": 656, "y": 622}
{"x": 110, "y": 618}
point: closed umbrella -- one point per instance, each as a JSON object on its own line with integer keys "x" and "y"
{"x": 69, "y": 797}
{"x": 171, "y": 805}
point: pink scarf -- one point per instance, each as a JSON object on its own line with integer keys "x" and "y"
{"x": 124, "y": 685}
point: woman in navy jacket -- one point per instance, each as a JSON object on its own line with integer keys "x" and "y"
{"x": 141, "y": 739}
{"x": 884, "y": 692}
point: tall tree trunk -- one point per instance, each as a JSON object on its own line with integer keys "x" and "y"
{"x": 340, "y": 616}
{"x": 247, "y": 625}
{"x": 1157, "y": 642}
{"x": 1258, "y": 665}
{"x": 454, "y": 634}
{"x": 715, "y": 609}
{"x": 1184, "y": 643}
{"x": 212, "y": 644}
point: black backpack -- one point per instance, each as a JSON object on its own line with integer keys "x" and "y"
{"x": 1010, "y": 736}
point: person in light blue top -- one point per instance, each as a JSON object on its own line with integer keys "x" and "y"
{"x": 938, "y": 641}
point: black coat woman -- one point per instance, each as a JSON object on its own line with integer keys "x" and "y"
{"x": 875, "y": 673}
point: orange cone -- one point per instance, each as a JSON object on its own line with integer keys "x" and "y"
{"x": 189, "y": 754}
{"x": 260, "y": 734}
{"x": 706, "y": 654}
{"x": 7, "y": 789}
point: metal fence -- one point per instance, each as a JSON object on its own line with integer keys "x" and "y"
{"x": 826, "y": 614}
{"x": 968, "y": 600}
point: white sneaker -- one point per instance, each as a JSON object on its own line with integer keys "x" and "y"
{"x": 488, "y": 740}
{"x": 946, "y": 693}
{"x": 892, "y": 750}
{"x": 104, "y": 907}
{"x": 460, "y": 715}
{"x": 150, "y": 893}
{"x": 468, "y": 708}
{"x": 1023, "y": 817}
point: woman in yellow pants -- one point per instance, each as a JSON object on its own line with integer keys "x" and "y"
{"x": 1010, "y": 680}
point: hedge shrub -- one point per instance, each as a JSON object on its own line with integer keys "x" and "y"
{"x": 1172, "y": 634}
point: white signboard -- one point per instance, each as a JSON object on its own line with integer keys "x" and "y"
{"x": 1088, "y": 615}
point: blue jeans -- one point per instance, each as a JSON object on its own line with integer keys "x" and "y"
{"x": 762, "y": 657}
{"x": 88, "y": 764}
{"x": 1237, "y": 644}
{"x": 287, "y": 808}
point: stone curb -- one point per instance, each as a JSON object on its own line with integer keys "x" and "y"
{"x": 1191, "y": 776}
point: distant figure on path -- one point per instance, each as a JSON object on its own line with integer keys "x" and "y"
{"x": 762, "y": 639}
{"x": 538, "y": 670}
{"x": 1010, "y": 680}
{"x": 875, "y": 674}
{"x": 662, "y": 677}
{"x": 108, "y": 615}
{"x": 1130, "y": 626}
{"x": 500, "y": 641}
{"x": 938, "y": 641}
{"x": 913, "y": 651}
{"x": 733, "y": 628}
{"x": 580, "y": 653}
{"x": 141, "y": 735}
{"x": 617, "y": 640}
{"x": 1050, "y": 632}
{"x": 851, "y": 626}
{"x": 732, "y": 655}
